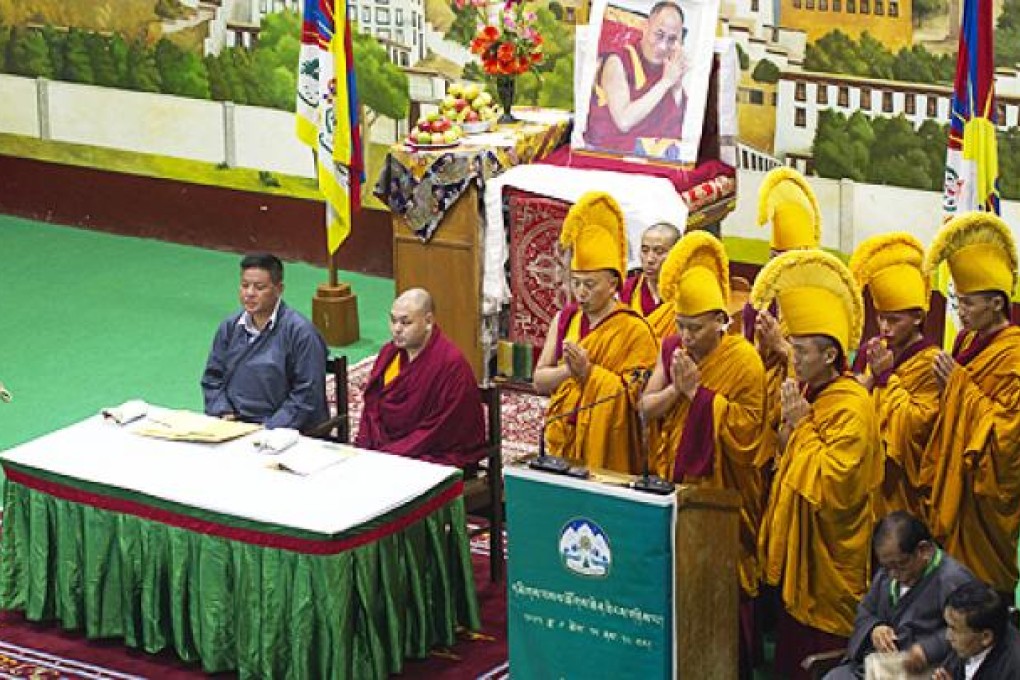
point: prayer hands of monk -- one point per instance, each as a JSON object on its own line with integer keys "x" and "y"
{"x": 576, "y": 358}
{"x": 793, "y": 404}
{"x": 768, "y": 337}
{"x": 941, "y": 674}
{"x": 880, "y": 357}
{"x": 883, "y": 639}
{"x": 686, "y": 376}
{"x": 944, "y": 365}
{"x": 916, "y": 660}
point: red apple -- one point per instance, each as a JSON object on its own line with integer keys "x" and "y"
{"x": 460, "y": 104}
{"x": 472, "y": 116}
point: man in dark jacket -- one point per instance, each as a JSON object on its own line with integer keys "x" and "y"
{"x": 985, "y": 645}
{"x": 903, "y": 610}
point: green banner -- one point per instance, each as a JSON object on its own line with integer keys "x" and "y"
{"x": 590, "y": 579}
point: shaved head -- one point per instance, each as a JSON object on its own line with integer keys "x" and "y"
{"x": 665, "y": 230}
{"x": 417, "y": 299}
{"x": 411, "y": 320}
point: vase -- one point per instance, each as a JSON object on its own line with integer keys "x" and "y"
{"x": 505, "y": 86}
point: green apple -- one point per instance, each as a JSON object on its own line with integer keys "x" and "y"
{"x": 471, "y": 91}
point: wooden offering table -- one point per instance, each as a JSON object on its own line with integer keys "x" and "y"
{"x": 438, "y": 223}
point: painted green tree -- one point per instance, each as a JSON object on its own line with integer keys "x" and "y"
{"x": 1007, "y": 34}
{"x": 382, "y": 87}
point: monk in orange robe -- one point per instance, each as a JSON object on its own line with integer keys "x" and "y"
{"x": 707, "y": 392}
{"x": 641, "y": 290}
{"x": 815, "y": 535}
{"x": 597, "y": 349}
{"x": 972, "y": 462}
{"x": 788, "y": 205}
{"x": 896, "y": 365}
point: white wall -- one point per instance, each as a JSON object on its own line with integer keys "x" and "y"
{"x": 179, "y": 127}
{"x": 853, "y": 212}
{"x": 19, "y": 110}
{"x": 136, "y": 121}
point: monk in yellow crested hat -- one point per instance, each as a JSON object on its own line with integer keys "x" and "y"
{"x": 788, "y": 203}
{"x": 597, "y": 348}
{"x": 974, "y": 502}
{"x": 594, "y": 232}
{"x": 820, "y": 510}
{"x": 817, "y": 295}
{"x": 707, "y": 392}
{"x": 897, "y": 364}
{"x": 981, "y": 254}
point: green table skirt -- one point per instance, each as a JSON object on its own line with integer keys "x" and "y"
{"x": 265, "y": 612}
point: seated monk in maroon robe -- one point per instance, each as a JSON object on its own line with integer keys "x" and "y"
{"x": 421, "y": 399}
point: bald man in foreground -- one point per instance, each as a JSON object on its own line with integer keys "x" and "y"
{"x": 421, "y": 399}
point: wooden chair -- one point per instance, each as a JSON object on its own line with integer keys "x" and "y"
{"x": 817, "y": 665}
{"x": 337, "y": 427}
{"x": 483, "y": 495}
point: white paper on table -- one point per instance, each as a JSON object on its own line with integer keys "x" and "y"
{"x": 126, "y": 412}
{"x": 889, "y": 666}
{"x": 310, "y": 457}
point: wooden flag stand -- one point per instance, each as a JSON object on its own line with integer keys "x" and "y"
{"x": 335, "y": 310}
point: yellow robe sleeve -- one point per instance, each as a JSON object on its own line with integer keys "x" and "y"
{"x": 906, "y": 407}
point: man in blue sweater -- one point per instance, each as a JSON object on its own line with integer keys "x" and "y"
{"x": 268, "y": 363}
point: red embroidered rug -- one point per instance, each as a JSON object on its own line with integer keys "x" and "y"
{"x": 536, "y": 272}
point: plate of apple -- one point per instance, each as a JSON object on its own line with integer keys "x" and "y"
{"x": 470, "y": 106}
{"x": 435, "y": 131}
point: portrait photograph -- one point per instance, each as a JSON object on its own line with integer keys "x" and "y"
{"x": 644, "y": 78}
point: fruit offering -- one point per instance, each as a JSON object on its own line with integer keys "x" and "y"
{"x": 468, "y": 103}
{"x": 435, "y": 129}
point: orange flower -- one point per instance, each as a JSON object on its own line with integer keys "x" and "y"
{"x": 505, "y": 53}
{"x": 490, "y": 33}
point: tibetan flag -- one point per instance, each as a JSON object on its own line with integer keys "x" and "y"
{"x": 972, "y": 163}
{"x": 327, "y": 112}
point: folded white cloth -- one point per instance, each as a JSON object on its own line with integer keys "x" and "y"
{"x": 275, "y": 441}
{"x": 126, "y": 412}
{"x": 645, "y": 200}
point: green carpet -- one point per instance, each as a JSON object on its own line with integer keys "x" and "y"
{"x": 89, "y": 320}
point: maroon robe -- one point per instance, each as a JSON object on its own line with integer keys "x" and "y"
{"x": 432, "y": 410}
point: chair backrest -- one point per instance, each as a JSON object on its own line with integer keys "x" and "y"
{"x": 337, "y": 427}
{"x": 337, "y": 366}
{"x": 491, "y": 395}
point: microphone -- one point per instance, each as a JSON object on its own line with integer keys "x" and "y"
{"x": 647, "y": 482}
{"x": 556, "y": 464}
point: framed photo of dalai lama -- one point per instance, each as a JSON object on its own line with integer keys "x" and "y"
{"x": 645, "y": 68}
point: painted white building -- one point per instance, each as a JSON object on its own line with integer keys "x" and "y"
{"x": 801, "y": 96}
{"x": 399, "y": 21}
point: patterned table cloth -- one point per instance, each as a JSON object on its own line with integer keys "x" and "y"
{"x": 419, "y": 185}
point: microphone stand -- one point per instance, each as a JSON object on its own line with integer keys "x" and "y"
{"x": 555, "y": 464}
{"x": 647, "y": 482}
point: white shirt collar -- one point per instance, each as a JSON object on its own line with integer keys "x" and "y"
{"x": 971, "y": 665}
{"x": 249, "y": 325}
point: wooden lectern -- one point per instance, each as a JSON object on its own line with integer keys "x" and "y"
{"x": 707, "y": 601}
{"x": 449, "y": 266}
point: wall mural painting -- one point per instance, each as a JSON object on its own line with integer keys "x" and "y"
{"x": 203, "y": 91}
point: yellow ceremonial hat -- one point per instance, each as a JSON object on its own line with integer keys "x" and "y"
{"x": 696, "y": 275}
{"x": 594, "y": 231}
{"x": 817, "y": 296}
{"x": 981, "y": 253}
{"x": 891, "y": 266}
{"x": 787, "y": 202}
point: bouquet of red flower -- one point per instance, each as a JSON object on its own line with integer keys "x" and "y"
{"x": 513, "y": 47}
